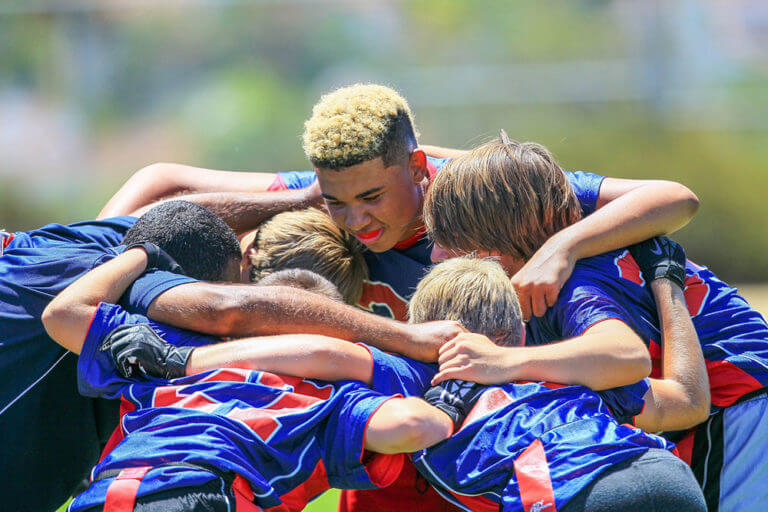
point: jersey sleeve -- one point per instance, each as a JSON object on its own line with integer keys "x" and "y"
{"x": 583, "y": 302}
{"x": 347, "y": 464}
{"x": 97, "y": 375}
{"x": 292, "y": 180}
{"x": 106, "y": 232}
{"x": 626, "y": 402}
{"x": 148, "y": 287}
{"x": 586, "y": 186}
{"x": 393, "y": 374}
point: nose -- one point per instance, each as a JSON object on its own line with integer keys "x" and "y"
{"x": 356, "y": 219}
{"x": 438, "y": 254}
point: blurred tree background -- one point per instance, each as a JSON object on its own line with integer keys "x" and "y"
{"x": 93, "y": 90}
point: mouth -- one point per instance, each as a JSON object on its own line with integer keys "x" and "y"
{"x": 369, "y": 237}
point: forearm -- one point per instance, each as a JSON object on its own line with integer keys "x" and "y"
{"x": 244, "y": 211}
{"x": 162, "y": 180}
{"x": 67, "y": 317}
{"x": 248, "y": 310}
{"x": 441, "y": 152}
{"x": 682, "y": 398}
{"x": 656, "y": 208}
{"x": 602, "y": 359}
{"x": 307, "y": 356}
{"x": 405, "y": 425}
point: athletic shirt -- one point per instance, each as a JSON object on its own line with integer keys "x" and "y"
{"x": 35, "y": 267}
{"x": 733, "y": 336}
{"x": 534, "y": 443}
{"x": 50, "y": 435}
{"x": 290, "y": 438}
{"x": 394, "y": 274}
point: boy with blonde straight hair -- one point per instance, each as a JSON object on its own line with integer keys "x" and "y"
{"x": 475, "y": 292}
{"x": 607, "y": 297}
{"x": 308, "y": 239}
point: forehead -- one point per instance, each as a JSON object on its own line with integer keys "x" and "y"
{"x": 353, "y": 180}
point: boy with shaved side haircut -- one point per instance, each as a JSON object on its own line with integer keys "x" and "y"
{"x": 362, "y": 142}
{"x": 607, "y": 299}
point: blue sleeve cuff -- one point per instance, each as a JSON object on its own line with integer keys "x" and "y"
{"x": 586, "y": 186}
{"x": 148, "y": 287}
{"x": 393, "y": 374}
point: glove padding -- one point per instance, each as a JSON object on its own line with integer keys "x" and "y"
{"x": 138, "y": 352}
{"x": 158, "y": 258}
{"x": 455, "y": 398}
{"x": 660, "y": 258}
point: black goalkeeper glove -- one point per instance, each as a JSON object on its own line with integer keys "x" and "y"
{"x": 139, "y": 352}
{"x": 455, "y": 398}
{"x": 660, "y": 258}
{"x": 158, "y": 258}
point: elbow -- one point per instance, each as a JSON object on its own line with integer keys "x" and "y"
{"x": 50, "y": 317}
{"x": 638, "y": 364}
{"x": 685, "y": 201}
{"x": 414, "y": 432}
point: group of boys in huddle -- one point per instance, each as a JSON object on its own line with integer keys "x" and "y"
{"x": 561, "y": 354}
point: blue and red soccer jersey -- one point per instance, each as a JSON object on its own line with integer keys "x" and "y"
{"x": 43, "y": 458}
{"x": 289, "y": 438}
{"x": 733, "y": 336}
{"x": 394, "y": 274}
{"x": 528, "y": 443}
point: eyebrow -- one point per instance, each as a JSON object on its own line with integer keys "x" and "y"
{"x": 358, "y": 196}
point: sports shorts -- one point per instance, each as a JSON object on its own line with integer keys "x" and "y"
{"x": 226, "y": 492}
{"x": 654, "y": 481}
{"x": 728, "y": 455}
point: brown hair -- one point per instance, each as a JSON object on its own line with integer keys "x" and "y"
{"x": 358, "y": 123}
{"x": 475, "y": 292}
{"x": 304, "y": 279}
{"x": 310, "y": 240}
{"x": 504, "y": 196}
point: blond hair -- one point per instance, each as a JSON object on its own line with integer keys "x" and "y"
{"x": 503, "y": 196}
{"x": 310, "y": 240}
{"x": 358, "y": 123}
{"x": 475, "y": 292}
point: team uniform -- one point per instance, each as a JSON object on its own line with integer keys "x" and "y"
{"x": 536, "y": 446}
{"x": 50, "y": 434}
{"x": 726, "y": 451}
{"x": 268, "y": 442}
{"x": 393, "y": 276}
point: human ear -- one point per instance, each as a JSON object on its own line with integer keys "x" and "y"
{"x": 417, "y": 163}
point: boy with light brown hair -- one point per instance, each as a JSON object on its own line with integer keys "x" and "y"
{"x": 306, "y": 239}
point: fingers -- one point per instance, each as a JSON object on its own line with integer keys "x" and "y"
{"x": 538, "y": 303}
{"x": 460, "y": 372}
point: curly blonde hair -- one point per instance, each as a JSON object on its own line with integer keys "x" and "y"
{"x": 309, "y": 239}
{"x": 358, "y": 123}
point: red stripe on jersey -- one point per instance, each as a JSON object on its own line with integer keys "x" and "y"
{"x": 411, "y": 240}
{"x": 628, "y": 268}
{"x": 654, "y": 349}
{"x": 277, "y": 185}
{"x": 121, "y": 493}
{"x": 685, "y": 446}
{"x": 376, "y": 293}
{"x": 306, "y": 392}
{"x": 118, "y": 434}
{"x": 728, "y": 382}
{"x": 533, "y": 479}
{"x": 490, "y": 401}
{"x": 409, "y": 492}
{"x": 696, "y": 292}
{"x": 297, "y": 498}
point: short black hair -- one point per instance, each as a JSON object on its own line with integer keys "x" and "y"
{"x": 199, "y": 241}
